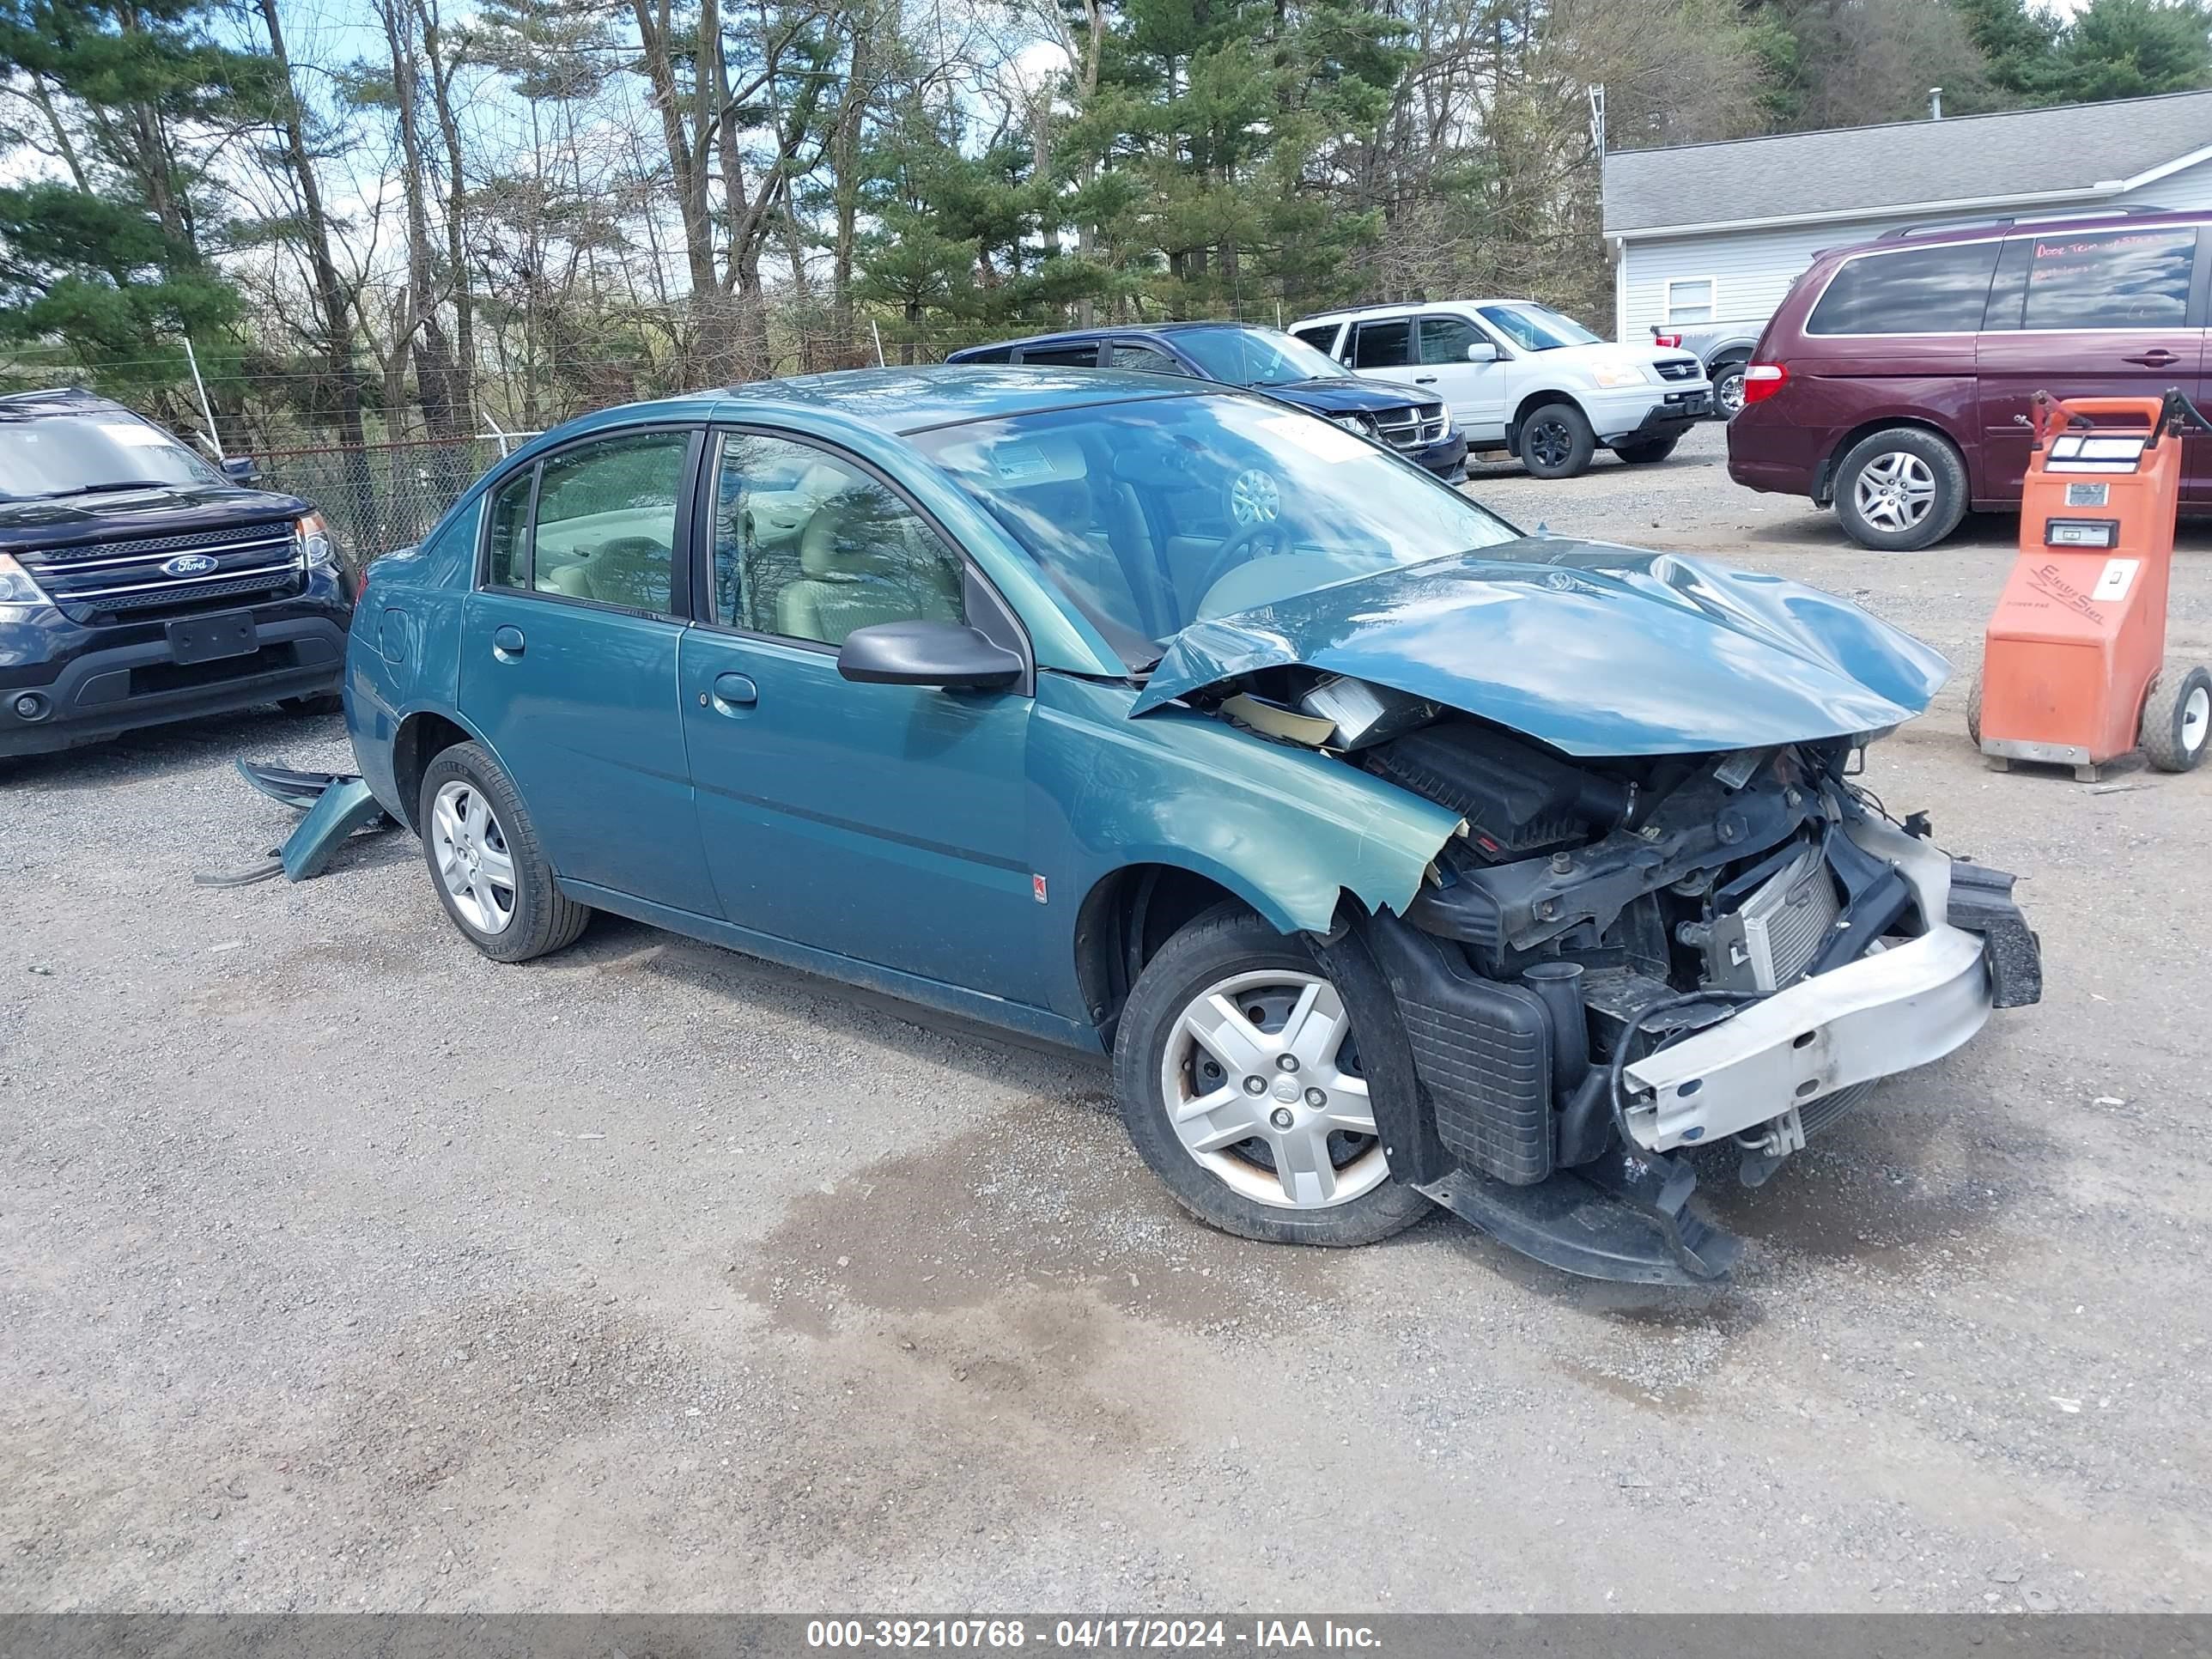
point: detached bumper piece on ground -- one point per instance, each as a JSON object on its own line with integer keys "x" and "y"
{"x": 334, "y": 806}
{"x": 1735, "y": 956}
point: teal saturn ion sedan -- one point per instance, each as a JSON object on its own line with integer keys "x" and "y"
{"x": 1397, "y": 858}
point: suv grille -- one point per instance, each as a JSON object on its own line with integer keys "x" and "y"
{"x": 107, "y": 579}
{"x": 1677, "y": 369}
{"x": 1413, "y": 428}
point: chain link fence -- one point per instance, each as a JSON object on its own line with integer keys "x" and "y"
{"x": 382, "y": 497}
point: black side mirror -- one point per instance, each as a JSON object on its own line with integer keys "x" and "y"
{"x": 951, "y": 656}
{"x": 241, "y": 470}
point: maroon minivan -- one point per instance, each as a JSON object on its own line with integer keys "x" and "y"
{"x": 1894, "y": 381}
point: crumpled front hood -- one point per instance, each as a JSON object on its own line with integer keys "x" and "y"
{"x": 1592, "y": 649}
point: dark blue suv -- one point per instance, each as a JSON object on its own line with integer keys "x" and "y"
{"x": 140, "y": 584}
{"x": 1402, "y": 417}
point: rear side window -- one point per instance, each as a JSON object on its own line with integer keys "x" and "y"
{"x": 1321, "y": 338}
{"x": 509, "y": 565}
{"x": 1085, "y": 356}
{"x": 1922, "y": 291}
{"x": 2124, "y": 279}
{"x": 1382, "y": 345}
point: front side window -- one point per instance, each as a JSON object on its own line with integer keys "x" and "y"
{"x": 1922, "y": 291}
{"x": 808, "y": 546}
{"x": 44, "y": 455}
{"x": 1149, "y": 360}
{"x": 2124, "y": 279}
{"x": 1085, "y": 356}
{"x": 1445, "y": 339}
{"x": 1151, "y": 514}
{"x": 1537, "y": 328}
{"x": 605, "y": 526}
{"x": 1255, "y": 356}
{"x": 1382, "y": 345}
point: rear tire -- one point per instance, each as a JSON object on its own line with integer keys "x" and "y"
{"x": 1556, "y": 442}
{"x": 2176, "y": 718}
{"x": 1974, "y": 709}
{"x": 1647, "y": 453}
{"x": 486, "y": 865}
{"x": 323, "y": 702}
{"x": 1728, "y": 390}
{"x": 1900, "y": 489}
{"x": 1297, "y": 1178}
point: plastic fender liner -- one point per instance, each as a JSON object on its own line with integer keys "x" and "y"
{"x": 1981, "y": 902}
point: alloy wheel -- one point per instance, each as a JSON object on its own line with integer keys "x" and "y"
{"x": 1728, "y": 392}
{"x": 1262, "y": 1084}
{"x": 1550, "y": 442}
{"x": 472, "y": 857}
{"x": 1895, "y": 491}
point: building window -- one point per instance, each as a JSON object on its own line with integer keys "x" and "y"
{"x": 1691, "y": 300}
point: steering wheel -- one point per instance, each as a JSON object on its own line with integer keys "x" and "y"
{"x": 1230, "y": 552}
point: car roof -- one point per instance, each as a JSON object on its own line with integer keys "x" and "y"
{"x": 58, "y": 400}
{"x": 1938, "y": 233}
{"x": 904, "y": 400}
{"x": 1346, "y": 313}
{"x": 1125, "y": 331}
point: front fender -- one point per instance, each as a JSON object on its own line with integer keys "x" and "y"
{"x": 1287, "y": 829}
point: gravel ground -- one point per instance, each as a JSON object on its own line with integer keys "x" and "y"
{"x": 345, "y": 1269}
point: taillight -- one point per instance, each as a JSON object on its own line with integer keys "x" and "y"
{"x": 1667, "y": 340}
{"x": 1762, "y": 380}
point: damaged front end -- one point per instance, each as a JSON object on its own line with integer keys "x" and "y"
{"x": 1619, "y": 960}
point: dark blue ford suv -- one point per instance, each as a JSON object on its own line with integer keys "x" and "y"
{"x": 1404, "y": 418}
{"x": 139, "y": 583}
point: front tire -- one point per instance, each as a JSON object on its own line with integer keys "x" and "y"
{"x": 1556, "y": 442}
{"x": 2176, "y": 718}
{"x": 1901, "y": 489}
{"x": 487, "y": 865}
{"x": 1236, "y": 1065}
{"x": 1646, "y": 453}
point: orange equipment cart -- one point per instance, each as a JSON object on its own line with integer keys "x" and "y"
{"x": 2074, "y": 669}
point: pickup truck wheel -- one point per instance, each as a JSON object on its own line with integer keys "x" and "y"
{"x": 1728, "y": 390}
{"x": 1236, "y": 1062}
{"x": 1645, "y": 454}
{"x": 2176, "y": 719}
{"x": 485, "y": 862}
{"x": 1556, "y": 442}
{"x": 1901, "y": 490}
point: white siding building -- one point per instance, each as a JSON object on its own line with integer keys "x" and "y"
{"x": 1706, "y": 234}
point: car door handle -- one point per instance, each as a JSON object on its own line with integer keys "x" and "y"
{"x": 506, "y": 642}
{"x": 735, "y": 691}
{"x": 1425, "y": 379}
{"x": 2156, "y": 357}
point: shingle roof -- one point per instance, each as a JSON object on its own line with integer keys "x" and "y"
{"x": 1906, "y": 165}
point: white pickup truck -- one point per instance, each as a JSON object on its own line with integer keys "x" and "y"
{"x": 1521, "y": 378}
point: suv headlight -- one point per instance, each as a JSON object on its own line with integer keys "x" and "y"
{"x": 19, "y": 595}
{"x": 313, "y": 535}
{"x": 1613, "y": 378}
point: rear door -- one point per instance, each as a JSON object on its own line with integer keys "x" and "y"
{"x": 568, "y": 660}
{"x": 2102, "y": 313}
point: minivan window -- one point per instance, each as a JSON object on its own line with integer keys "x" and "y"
{"x": 1922, "y": 291}
{"x": 2123, "y": 279}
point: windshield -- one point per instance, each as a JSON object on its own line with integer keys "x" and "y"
{"x": 49, "y": 454}
{"x": 1256, "y": 356}
{"x": 1538, "y": 328}
{"x": 1151, "y": 515}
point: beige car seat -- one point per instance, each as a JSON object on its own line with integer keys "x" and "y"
{"x": 856, "y": 570}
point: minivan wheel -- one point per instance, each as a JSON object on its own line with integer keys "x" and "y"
{"x": 1556, "y": 442}
{"x": 1901, "y": 490}
{"x": 485, "y": 862}
{"x": 2176, "y": 719}
{"x": 1237, "y": 1061}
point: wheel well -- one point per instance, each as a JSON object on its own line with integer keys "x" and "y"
{"x": 1535, "y": 401}
{"x": 421, "y": 739}
{"x": 1729, "y": 355}
{"x": 1122, "y": 923}
{"x": 1824, "y": 486}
